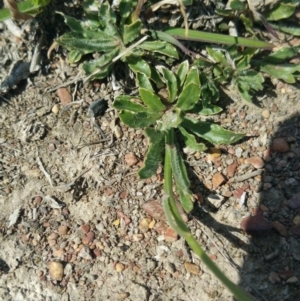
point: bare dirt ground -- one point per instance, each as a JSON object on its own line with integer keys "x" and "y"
{"x": 73, "y": 219}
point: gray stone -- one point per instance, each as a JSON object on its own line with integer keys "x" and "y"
{"x": 272, "y": 198}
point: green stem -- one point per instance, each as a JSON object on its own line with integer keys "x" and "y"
{"x": 176, "y": 222}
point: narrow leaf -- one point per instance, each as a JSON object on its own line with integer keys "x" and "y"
{"x": 154, "y": 155}
{"x": 151, "y": 100}
{"x": 160, "y": 47}
{"x": 280, "y": 11}
{"x": 140, "y": 119}
{"x": 144, "y": 82}
{"x": 213, "y": 133}
{"x": 171, "y": 82}
{"x": 74, "y": 56}
{"x": 125, "y": 102}
{"x": 188, "y": 97}
{"x": 202, "y": 36}
{"x": 190, "y": 141}
{"x": 182, "y": 72}
{"x": 131, "y": 32}
{"x": 136, "y": 64}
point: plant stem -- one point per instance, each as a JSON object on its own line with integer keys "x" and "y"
{"x": 176, "y": 222}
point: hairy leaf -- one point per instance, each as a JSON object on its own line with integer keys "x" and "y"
{"x": 140, "y": 119}
{"x": 171, "y": 82}
{"x": 213, "y": 133}
{"x": 182, "y": 72}
{"x": 190, "y": 141}
{"x": 151, "y": 100}
{"x": 160, "y": 47}
{"x": 131, "y": 31}
{"x": 137, "y": 64}
{"x": 125, "y": 102}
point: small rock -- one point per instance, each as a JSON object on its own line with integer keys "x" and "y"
{"x": 56, "y": 270}
{"x": 160, "y": 227}
{"x": 122, "y": 296}
{"x": 85, "y": 253}
{"x": 144, "y": 224}
{"x": 63, "y": 230}
{"x": 85, "y": 228}
{"x": 255, "y": 224}
{"x": 171, "y": 235}
{"x": 131, "y": 159}
{"x": 231, "y": 169}
{"x": 215, "y": 200}
{"x": 280, "y": 228}
{"x": 265, "y": 114}
{"x": 64, "y": 95}
{"x": 192, "y": 268}
{"x": 256, "y": 162}
{"x": 286, "y": 274}
{"x": 238, "y": 152}
{"x": 294, "y": 201}
{"x": 137, "y": 237}
{"x": 88, "y": 238}
{"x": 295, "y": 231}
{"x": 58, "y": 253}
{"x": 55, "y": 109}
{"x": 293, "y": 279}
{"x": 155, "y": 209}
{"x": 119, "y": 267}
{"x": 296, "y": 220}
{"x": 280, "y": 145}
{"x": 274, "y": 278}
{"x": 118, "y": 132}
{"x": 214, "y": 153}
{"x": 217, "y": 180}
{"x": 52, "y": 242}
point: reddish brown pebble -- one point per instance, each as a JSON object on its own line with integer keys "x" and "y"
{"x": 85, "y": 228}
{"x": 58, "y": 253}
{"x": 88, "y": 238}
{"x": 52, "y": 236}
{"x": 280, "y": 145}
{"x": 217, "y": 180}
{"x": 280, "y": 228}
{"x": 38, "y": 200}
{"x": 171, "y": 235}
{"x": 64, "y": 96}
{"x": 63, "y": 230}
{"x": 255, "y": 224}
{"x": 131, "y": 159}
{"x": 213, "y": 257}
{"x": 52, "y": 242}
{"x": 284, "y": 275}
{"x": 264, "y": 208}
{"x": 231, "y": 169}
{"x": 160, "y": 227}
{"x": 256, "y": 162}
{"x": 155, "y": 209}
{"x": 123, "y": 194}
{"x": 46, "y": 224}
{"x": 199, "y": 197}
{"x": 97, "y": 252}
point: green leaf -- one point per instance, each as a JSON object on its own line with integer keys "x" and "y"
{"x": 154, "y": 155}
{"x": 283, "y": 71}
{"x": 76, "y": 41}
{"x": 107, "y": 20}
{"x": 286, "y": 27}
{"x": 160, "y": 47}
{"x": 244, "y": 93}
{"x": 125, "y": 102}
{"x": 280, "y": 11}
{"x": 244, "y": 63}
{"x": 125, "y": 7}
{"x": 171, "y": 82}
{"x": 213, "y": 133}
{"x": 208, "y": 110}
{"x": 140, "y": 119}
{"x": 144, "y": 82}
{"x": 237, "y": 5}
{"x": 217, "y": 55}
{"x": 151, "y": 100}
{"x": 182, "y": 72}
{"x": 74, "y": 24}
{"x": 74, "y": 56}
{"x": 181, "y": 179}
{"x": 281, "y": 55}
{"x": 104, "y": 64}
{"x": 137, "y": 64}
{"x": 202, "y": 36}
{"x": 247, "y": 23}
{"x": 190, "y": 141}
{"x": 190, "y": 93}
{"x": 29, "y": 6}
{"x": 253, "y": 78}
{"x": 157, "y": 78}
{"x": 132, "y": 31}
